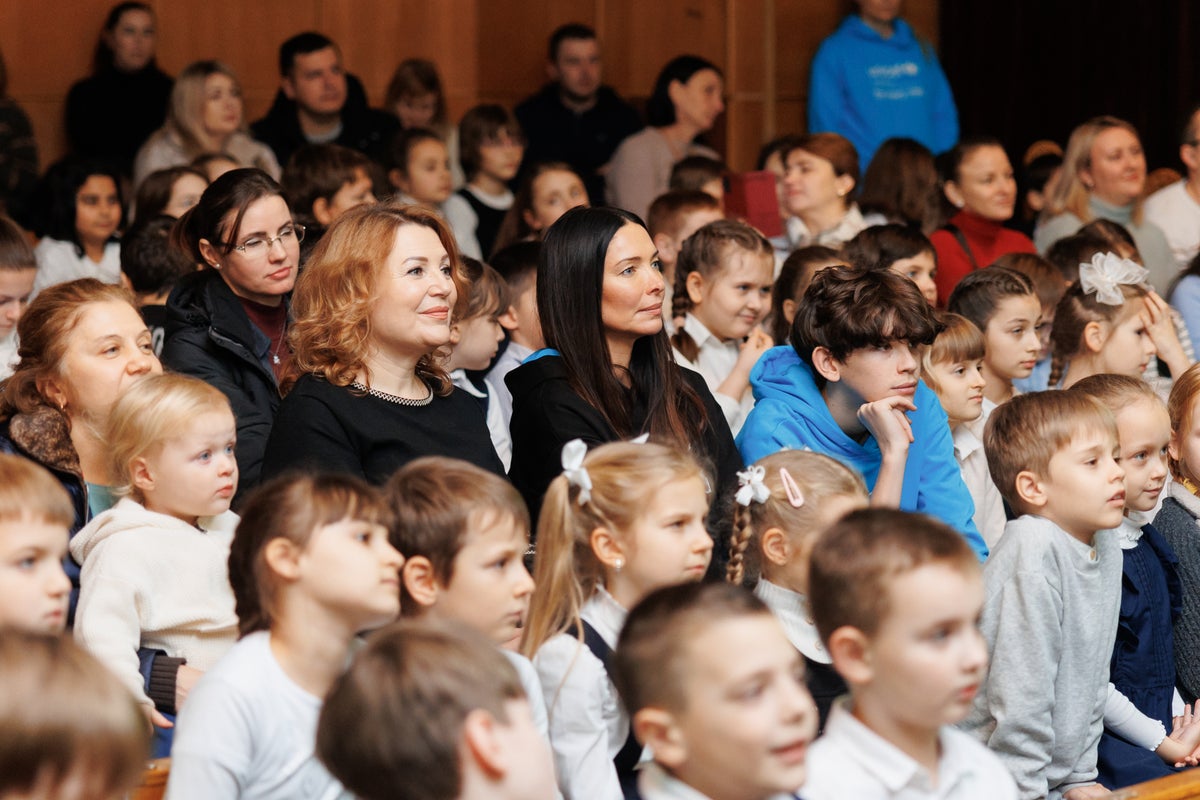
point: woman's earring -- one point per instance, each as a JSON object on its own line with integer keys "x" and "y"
{"x": 617, "y": 564}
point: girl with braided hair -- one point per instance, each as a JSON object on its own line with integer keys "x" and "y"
{"x": 784, "y": 502}
{"x": 723, "y": 293}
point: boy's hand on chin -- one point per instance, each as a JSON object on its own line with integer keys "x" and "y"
{"x": 885, "y": 420}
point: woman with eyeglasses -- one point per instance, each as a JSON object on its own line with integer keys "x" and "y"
{"x": 227, "y": 324}
{"x": 368, "y": 389}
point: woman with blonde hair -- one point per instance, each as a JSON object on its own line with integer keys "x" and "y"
{"x": 205, "y": 115}
{"x": 1104, "y": 177}
{"x": 368, "y": 390}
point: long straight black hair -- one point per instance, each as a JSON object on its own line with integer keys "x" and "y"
{"x": 569, "y": 290}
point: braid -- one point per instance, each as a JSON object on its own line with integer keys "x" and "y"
{"x": 681, "y": 304}
{"x": 1057, "y": 365}
{"x": 743, "y": 532}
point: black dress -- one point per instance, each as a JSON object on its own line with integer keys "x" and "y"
{"x": 338, "y": 429}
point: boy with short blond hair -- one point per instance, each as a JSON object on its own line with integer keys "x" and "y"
{"x": 716, "y": 692}
{"x": 895, "y": 598}
{"x": 1053, "y": 591}
{"x": 433, "y": 712}
{"x": 36, "y": 516}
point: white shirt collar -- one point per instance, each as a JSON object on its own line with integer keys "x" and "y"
{"x": 655, "y": 783}
{"x": 698, "y": 330}
{"x": 605, "y": 614}
{"x": 966, "y": 441}
{"x": 791, "y": 609}
{"x": 892, "y": 767}
{"x": 459, "y": 378}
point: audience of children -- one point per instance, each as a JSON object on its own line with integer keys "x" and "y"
{"x": 475, "y": 335}
{"x": 310, "y": 567}
{"x": 548, "y": 190}
{"x": 716, "y": 692}
{"x": 619, "y": 522}
{"x": 1052, "y": 590}
{"x": 517, "y": 264}
{"x": 1002, "y": 305}
{"x": 419, "y": 168}
{"x": 954, "y": 367}
{"x": 716, "y": 687}
{"x": 154, "y": 565}
{"x": 490, "y": 150}
{"x": 793, "y": 279}
{"x": 78, "y": 211}
{"x": 899, "y": 248}
{"x": 723, "y": 293}
{"x": 896, "y": 599}
{"x": 785, "y": 501}
{"x": 848, "y": 385}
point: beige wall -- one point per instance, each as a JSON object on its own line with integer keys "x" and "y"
{"x": 486, "y": 50}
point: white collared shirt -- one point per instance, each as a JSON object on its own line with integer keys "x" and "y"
{"x": 791, "y": 609}
{"x": 588, "y": 725}
{"x": 972, "y": 463}
{"x": 497, "y": 425}
{"x": 851, "y": 760}
{"x": 714, "y": 362}
{"x": 655, "y": 783}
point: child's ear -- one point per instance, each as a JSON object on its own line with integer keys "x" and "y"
{"x": 419, "y": 580}
{"x": 695, "y": 287}
{"x": 283, "y": 557}
{"x": 851, "y": 653}
{"x": 479, "y": 736}
{"x": 656, "y": 728}
{"x": 665, "y": 246}
{"x": 321, "y": 212}
{"x": 790, "y": 307}
{"x": 1094, "y": 336}
{"x": 1173, "y": 445}
{"x": 607, "y": 549}
{"x": 508, "y": 320}
{"x": 528, "y": 216}
{"x": 455, "y": 334}
{"x": 826, "y": 365}
{"x": 1030, "y": 489}
{"x": 140, "y": 475}
{"x": 776, "y": 547}
{"x": 397, "y": 180}
{"x": 210, "y": 254}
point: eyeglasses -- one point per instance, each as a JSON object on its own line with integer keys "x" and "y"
{"x": 259, "y": 246}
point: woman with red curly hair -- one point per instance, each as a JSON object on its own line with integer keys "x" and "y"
{"x": 371, "y": 321}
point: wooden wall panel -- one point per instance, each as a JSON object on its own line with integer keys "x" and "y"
{"x": 512, "y": 44}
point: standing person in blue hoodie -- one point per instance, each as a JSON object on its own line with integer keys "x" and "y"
{"x": 874, "y": 79}
{"x": 847, "y": 386}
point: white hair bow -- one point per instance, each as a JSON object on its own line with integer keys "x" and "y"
{"x": 752, "y": 487}
{"x": 1107, "y": 273}
{"x": 573, "y": 453}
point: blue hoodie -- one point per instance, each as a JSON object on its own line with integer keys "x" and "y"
{"x": 868, "y": 89}
{"x": 789, "y": 411}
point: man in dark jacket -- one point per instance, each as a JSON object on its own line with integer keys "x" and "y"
{"x": 318, "y": 102}
{"x": 575, "y": 118}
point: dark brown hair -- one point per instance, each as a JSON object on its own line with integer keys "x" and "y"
{"x": 231, "y": 194}
{"x": 792, "y": 282}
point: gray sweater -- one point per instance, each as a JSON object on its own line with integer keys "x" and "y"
{"x": 1177, "y": 522}
{"x": 1050, "y": 620}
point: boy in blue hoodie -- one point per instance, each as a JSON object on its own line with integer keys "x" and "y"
{"x": 874, "y": 79}
{"x": 847, "y": 386}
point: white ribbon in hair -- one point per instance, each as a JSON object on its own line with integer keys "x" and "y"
{"x": 1106, "y": 274}
{"x": 573, "y": 453}
{"x": 752, "y": 487}
{"x": 645, "y": 437}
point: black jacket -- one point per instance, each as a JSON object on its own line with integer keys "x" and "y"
{"x": 209, "y": 336}
{"x": 586, "y": 141}
{"x": 365, "y": 129}
{"x": 547, "y": 413}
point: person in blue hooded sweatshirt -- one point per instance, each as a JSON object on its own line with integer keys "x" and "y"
{"x": 874, "y": 79}
{"x": 847, "y": 386}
